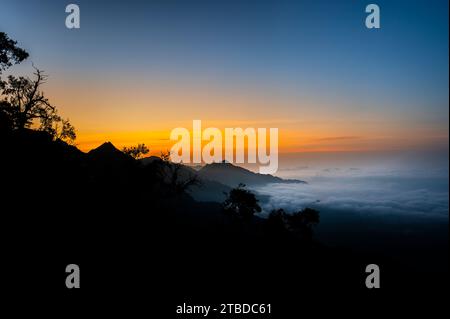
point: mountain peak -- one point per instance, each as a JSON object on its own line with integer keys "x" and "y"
{"x": 108, "y": 151}
{"x": 232, "y": 175}
{"x": 107, "y": 146}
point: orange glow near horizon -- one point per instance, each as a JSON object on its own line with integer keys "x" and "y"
{"x": 102, "y": 110}
{"x": 289, "y": 141}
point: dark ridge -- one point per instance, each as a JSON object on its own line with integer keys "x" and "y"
{"x": 232, "y": 175}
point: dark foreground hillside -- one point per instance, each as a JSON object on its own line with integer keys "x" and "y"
{"x": 136, "y": 236}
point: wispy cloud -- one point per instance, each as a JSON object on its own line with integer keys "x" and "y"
{"x": 336, "y": 138}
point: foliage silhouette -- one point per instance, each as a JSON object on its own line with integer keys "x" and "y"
{"x": 165, "y": 156}
{"x": 136, "y": 151}
{"x": 10, "y": 53}
{"x": 300, "y": 223}
{"x": 241, "y": 203}
{"x": 176, "y": 178}
{"x": 23, "y": 104}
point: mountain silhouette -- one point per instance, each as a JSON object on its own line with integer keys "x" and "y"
{"x": 107, "y": 201}
{"x": 231, "y": 175}
{"x": 219, "y": 178}
{"x": 108, "y": 152}
{"x": 149, "y": 159}
{"x": 206, "y": 191}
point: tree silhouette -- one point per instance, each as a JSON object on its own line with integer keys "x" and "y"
{"x": 165, "y": 156}
{"x": 136, "y": 151}
{"x": 23, "y": 104}
{"x": 276, "y": 222}
{"x": 306, "y": 217}
{"x": 241, "y": 203}
{"x": 9, "y": 53}
{"x": 300, "y": 223}
{"x": 63, "y": 130}
{"x": 26, "y": 106}
{"x": 176, "y": 177}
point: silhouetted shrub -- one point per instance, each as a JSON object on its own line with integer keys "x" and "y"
{"x": 241, "y": 203}
{"x": 300, "y": 223}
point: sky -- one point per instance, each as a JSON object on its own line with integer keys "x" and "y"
{"x": 137, "y": 69}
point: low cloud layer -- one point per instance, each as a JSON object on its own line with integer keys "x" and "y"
{"x": 389, "y": 194}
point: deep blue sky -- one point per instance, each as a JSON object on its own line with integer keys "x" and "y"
{"x": 287, "y": 38}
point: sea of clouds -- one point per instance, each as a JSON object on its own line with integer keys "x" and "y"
{"x": 362, "y": 190}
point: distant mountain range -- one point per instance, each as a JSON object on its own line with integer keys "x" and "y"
{"x": 219, "y": 178}
{"x": 216, "y": 179}
{"x": 231, "y": 175}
